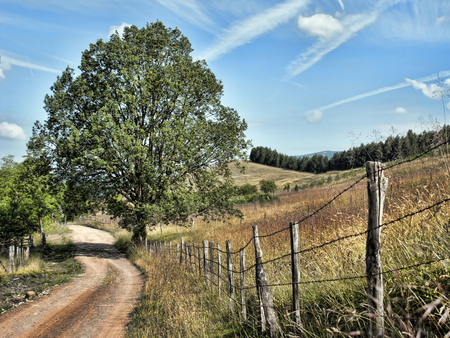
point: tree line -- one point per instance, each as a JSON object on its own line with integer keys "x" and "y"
{"x": 391, "y": 149}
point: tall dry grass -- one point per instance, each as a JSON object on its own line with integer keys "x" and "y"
{"x": 416, "y": 299}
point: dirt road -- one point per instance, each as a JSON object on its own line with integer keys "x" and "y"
{"x": 97, "y": 304}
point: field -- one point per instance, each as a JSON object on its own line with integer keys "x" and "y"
{"x": 333, "y": 301}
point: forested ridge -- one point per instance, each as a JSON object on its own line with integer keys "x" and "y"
{"x": 391, "y": 149}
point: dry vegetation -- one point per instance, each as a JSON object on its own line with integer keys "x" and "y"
{"x": 255, "y": 172}
{"x": 176, "y": 302}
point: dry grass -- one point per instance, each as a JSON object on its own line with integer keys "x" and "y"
{"x": 255, "y": 172}
{"x": 416, "y": 299}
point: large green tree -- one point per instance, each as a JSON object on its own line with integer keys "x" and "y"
{"x": 143, "y": 125}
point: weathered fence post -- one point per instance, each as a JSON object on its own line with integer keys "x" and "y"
{"x": 11, "y": 259}
{"x": 219, "y": 267}
{"x": 376, "y": 192}
{"x": 205, "y": 261}
{"x": 264, "y": 291}
{"x": 178, "y": 251}
{"x": 211, "y": 263}
{"x": 199, "y": 253}
{"x": 195, "y": 256}
{"x": 295, "y": 265}
{"x": 230, "y": 275}
{"x": 242, "y": 280}
{"x": 182, "y": 250}
{"x": 170, "y": 249}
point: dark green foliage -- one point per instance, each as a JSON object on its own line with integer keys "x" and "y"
{"x": 247, "y": 189}
{"x": 143, "y": 127}
{"x": 287, "y": 187}
{"x": 257, "y": 198}
{"x": 329, "y": 179}
{"x": 393, "y": 148}
{"x": 267, "y": 186}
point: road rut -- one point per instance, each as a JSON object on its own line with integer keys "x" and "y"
{"x": 97, "y": 304}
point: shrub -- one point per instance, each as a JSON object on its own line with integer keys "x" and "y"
{"x": 267, "y": 186}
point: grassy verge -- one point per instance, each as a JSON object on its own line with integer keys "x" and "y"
{"x": 47, "y": 266}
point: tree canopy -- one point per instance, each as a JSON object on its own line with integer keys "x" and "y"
{"x": 144, "y": 127}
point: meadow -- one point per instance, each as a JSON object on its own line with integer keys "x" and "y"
{"x": 415, "y": 251}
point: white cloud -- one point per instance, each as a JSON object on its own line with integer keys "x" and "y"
{"x": 11, "y": 131}
{"x": 432, "y": 91}
{"x": 245, "y": 31}
{"x": 320, "y": 25}
{"x": 313, "y": 117}
{"x": 119, "y": 29}
{"x": 442, "y": 74}
{"x": 442, "y": 20}
{"x": 400, "y": 110}
{"x": 4, "y": 65}
{"x": 351, "y": 25}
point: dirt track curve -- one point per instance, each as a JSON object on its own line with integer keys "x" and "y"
{"x": 97, "y": 304}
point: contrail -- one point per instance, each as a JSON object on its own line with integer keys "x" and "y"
{"x": 382, "y": 90}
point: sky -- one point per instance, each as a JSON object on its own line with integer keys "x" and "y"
{"x": 306, "y": 75}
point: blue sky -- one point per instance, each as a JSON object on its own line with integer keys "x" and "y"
{"x": 306, "y": 75}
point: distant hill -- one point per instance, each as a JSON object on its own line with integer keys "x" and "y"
{"x": 328, "y": 153}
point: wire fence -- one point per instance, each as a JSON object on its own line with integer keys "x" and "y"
{"x": 209, "y": 264}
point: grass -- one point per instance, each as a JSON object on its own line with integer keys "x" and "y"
{"x": 177, "y": 303}
{"x": 47, "y": 266}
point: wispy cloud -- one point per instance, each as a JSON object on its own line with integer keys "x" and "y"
{"x": 351, "y": 25}
{"x": 245, "y": 31}
{"x": 417, "y": 20}
{"x": 11, "y": 131}
{"x": 11, "y": 60}
{"x": 404, "y": 84}
{"x": 189, "y": 10}
{"x": 341, "y": 3}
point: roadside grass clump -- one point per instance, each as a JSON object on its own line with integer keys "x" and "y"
{"x": 47, "y": 266}
{"x": 176, "y": 302}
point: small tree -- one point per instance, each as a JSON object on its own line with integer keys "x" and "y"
{"x": 287, "y": 187}
{"x": 329, "y": 179}
{"x": 296, "y": 188}
{"x": 267, "y": 187}
{"x": 337, "y": 177}
{"x": 312, "y": 184}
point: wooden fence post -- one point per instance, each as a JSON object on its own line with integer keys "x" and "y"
{"x": 11, "y": 259}
{"x": 199, "y": 251}
{"x": 211, "y": 263}
{"x": 376, "y": 192}
{"x": 205, "y": 261}
{"x": 170, "y": 249}
{"x": 219, "y": 267}
{"x": 264, "y": 291}
{"x": 195, "y": 256}
{"x": 242, "y": 280}
{"x": 295, "y": 265}
{"x": 182, "y": 250}
{"x": 230, "y": 275}
{"x": 178, "y": 251}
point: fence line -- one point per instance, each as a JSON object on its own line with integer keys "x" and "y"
{"x": 268, "y": 317}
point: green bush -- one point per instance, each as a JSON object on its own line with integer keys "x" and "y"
{"x": 247, "y": 189}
